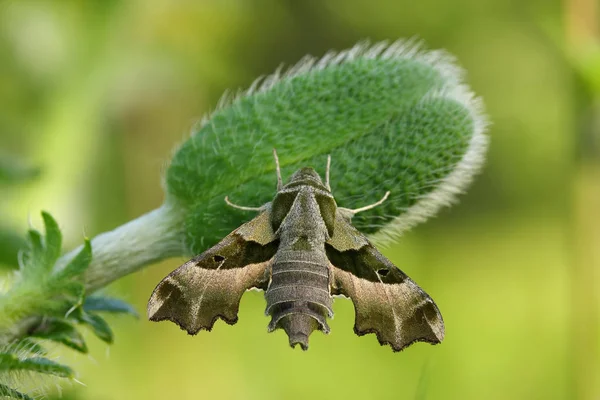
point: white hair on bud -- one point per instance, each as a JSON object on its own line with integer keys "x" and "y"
{"x": 411, "y": 48}
{"x": 453, "y": 184}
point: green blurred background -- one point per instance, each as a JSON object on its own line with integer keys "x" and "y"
{"x": 96, "y": 95}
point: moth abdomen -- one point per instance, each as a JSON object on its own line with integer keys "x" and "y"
{"x": 298, "y": 298}
{"x": 299, "y": 320}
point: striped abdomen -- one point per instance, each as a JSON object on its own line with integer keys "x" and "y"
{"x": 298, "y": 297}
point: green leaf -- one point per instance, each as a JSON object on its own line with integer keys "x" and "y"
{"x": 99, "y": 326}
{"x": 61, "y": 331}
{"x": 28, "y": 345}
{"x": 108, "y": 304}
{"x": 37, "y": 290}
{"x": 53, "y": 240}
{"x": 35, "y": 241}
{"x": 33, "y": 257}
{"x": 78, "y": 264}
{"x": 73, "y": 292}
{"x": 33, "y": 264}
{"x": 6, "y": 391}
{"x": 10, "y": 362}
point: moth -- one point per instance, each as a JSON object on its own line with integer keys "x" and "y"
{"x": 301, "y": 250}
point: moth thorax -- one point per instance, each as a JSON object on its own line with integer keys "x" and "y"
{"x": 303, "y": 211}
{"x": 298, "y": 297}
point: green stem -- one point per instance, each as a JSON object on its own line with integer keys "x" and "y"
{"x": 152, "y": 237}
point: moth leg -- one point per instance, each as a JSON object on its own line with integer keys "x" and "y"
{"x": 365, "y": 208}
{"x": 279, "y": 180}
{"x": 229, "y": 203}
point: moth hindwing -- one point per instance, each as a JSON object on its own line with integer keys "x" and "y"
{"x": 301, "y": 249}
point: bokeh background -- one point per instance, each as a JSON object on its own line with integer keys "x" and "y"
{"x": 95, "y": 95}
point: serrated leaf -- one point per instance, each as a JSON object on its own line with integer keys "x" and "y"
{"x": 53, "y": 240}
{"x": 78, "y": 264}
{"x": 6, "y": 391}
{"x": 108, "y": 304}
{"x": 61, "y": 331}
{"x": 99, "y": 326}
{"x": 10, "y": 362}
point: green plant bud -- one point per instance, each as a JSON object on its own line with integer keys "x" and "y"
{"x": 393, "y": 117}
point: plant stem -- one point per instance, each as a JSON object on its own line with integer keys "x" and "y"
{"x": 152, "y": 237}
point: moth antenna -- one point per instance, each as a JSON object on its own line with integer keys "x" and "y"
{"x": 279, "y": 180}
{"x": 327, "y": 172}
{"x": 241, "y": 207}
{"x": 370, "y": 206}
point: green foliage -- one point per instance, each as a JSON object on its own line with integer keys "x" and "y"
{"x": 48, "y": 303}
{"x": 99, "y": 326}
{"x": 392, "y": 118}
{"x": 37, "y": 289}
{"x": 61, "y": 331}
{"x": 6, "y": 391}
{"x": 28, "y": 345}
{"x": 10, "y": 362}
{"x": 108, "y": 304}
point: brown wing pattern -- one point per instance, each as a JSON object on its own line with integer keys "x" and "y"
{"x": 210, "y": 286}
{"x": 386, "y": 301}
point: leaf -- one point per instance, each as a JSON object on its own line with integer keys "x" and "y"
{"x": 42, "y": 253}
{"x": 33, "y": 256}
{"x": 73, "y": 292}
{"x": 10, "y": 362}
{"x": 6, "y": 391}
{"x": 61, "y": 331}
{"x": 53, "y": 240}
{"x": 78, "y": 264}
{"x": 28, "y": 345}
{"x": 31, "y": 262}
{"x": 108, "y": 304}
{"x": 99, "y": 326}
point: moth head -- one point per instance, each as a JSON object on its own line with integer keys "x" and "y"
{"x": 305, "y": 175}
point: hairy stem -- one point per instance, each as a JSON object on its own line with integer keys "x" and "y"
{"x": 152, "y": 237}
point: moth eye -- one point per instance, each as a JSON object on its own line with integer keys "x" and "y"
{"x": 383, "y": 272}
{"x": 218, "y": 258}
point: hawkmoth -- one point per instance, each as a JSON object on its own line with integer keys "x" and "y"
{"x": 301, "y": 250}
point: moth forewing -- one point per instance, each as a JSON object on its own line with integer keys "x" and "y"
{"x": 211, "y": 285}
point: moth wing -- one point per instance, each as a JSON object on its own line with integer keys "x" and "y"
{"x": 386, "y": 301}
{"x": 210, "y": 286}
